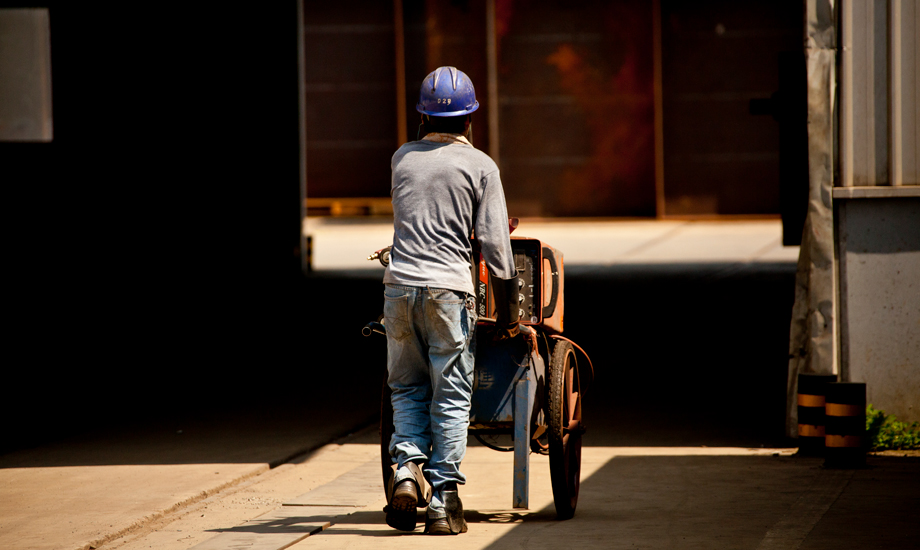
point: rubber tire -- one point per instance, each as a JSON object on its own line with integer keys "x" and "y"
{"x": 386, "y": 432}
{"x": 564, "y": 448}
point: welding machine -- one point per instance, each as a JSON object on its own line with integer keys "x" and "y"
{"x": 540, "y": 284}
{"x": 527, "y": 389}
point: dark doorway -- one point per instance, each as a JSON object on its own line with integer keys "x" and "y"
{"x": 717, "y": 56}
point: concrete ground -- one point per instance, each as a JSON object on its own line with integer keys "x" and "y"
{"x": 686, "y": 323}
{"x": 341, "y": 244}
{"x": 630, "y": 497}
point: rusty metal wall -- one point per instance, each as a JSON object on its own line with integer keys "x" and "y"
{"x": 454, "y": 35}
{"x": 577, "y": 107}
{"x": 719, "y": 158}
{"x": 349, "y": 67}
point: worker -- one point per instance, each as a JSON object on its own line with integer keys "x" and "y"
{"x": 444, "y": 191}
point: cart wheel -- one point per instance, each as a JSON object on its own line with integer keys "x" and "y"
{"x": 564, "y": 429}
{"x": 386, "y": 432}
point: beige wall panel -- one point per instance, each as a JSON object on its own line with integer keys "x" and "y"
{"x": 25, "y": 75}
{"x": 905, "y": 83}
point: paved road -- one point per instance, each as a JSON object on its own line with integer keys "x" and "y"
{"x": 631, "y": 497}
{"x": 690, "y": 351}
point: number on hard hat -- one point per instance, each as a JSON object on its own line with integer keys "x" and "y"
{"x": 447, "y": 91}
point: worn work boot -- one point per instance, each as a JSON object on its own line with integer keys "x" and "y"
{"x": 404, "y": 497}
{"x": 437, "y": 526}
{"x": 454, "y": 523}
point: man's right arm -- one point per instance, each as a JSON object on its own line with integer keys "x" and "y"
{"x": 493, "y": 235}
{"x": 492, "y": 230}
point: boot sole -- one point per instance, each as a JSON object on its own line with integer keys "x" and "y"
{"x": 401, "y": 512}
{"x": 404, "y": 498}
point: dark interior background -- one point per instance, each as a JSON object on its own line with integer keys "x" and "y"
{"x": 151, "y": 270}
{"x": 149, "y": 248}
{"x": 720, "y": 156}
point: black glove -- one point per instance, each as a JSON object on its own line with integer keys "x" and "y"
{"x": 507, "y": 306}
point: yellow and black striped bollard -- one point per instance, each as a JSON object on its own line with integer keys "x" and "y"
{"x": 811, "y": 394}
{"x": 845, "y": 433}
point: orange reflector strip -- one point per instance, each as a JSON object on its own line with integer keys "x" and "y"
{"x": 806, "y": 400}
{"x": 842, "y": 441}
{"x": 837, "y": 409}
{"x": 807, "y": 430}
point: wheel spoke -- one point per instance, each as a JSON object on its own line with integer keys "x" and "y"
{"x": 572, "y": 406}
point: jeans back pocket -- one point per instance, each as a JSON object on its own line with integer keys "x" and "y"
{"x": 396, "y": 316}
{"x": 446, "y": 312}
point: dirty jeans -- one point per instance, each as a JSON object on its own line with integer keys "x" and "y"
{"x": 430, "y": 356}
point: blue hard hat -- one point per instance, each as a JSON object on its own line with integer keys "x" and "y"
{"x": 447, "y": 91}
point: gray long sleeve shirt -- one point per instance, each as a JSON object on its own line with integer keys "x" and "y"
{"x": 442, "y": 192}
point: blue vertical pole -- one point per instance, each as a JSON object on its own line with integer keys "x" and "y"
{"x": 523, "y": 405}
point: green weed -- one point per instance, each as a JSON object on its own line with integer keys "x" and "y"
{"x": 885, "y": 432}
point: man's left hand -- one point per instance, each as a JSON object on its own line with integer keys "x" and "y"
{"x": 507, "y": 332}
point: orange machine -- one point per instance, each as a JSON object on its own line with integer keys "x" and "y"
{"x": 540, "y": 284}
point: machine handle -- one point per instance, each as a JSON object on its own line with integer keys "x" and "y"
{"x": 382, "y": 255}
{"x": 373, "y": 327}
{"x": 554, "y": 269}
